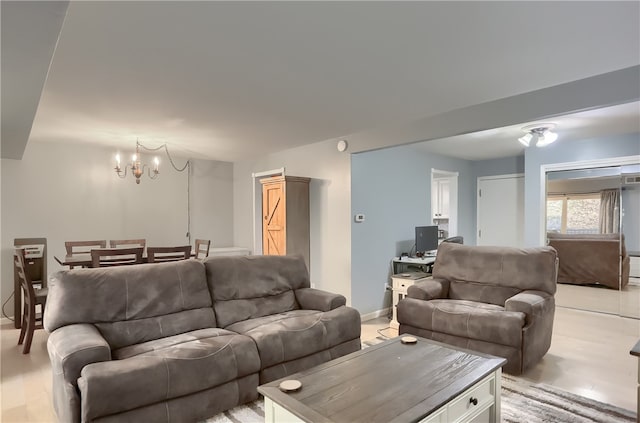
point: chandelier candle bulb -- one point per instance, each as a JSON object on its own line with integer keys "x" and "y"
{"x": 137, "y": 167}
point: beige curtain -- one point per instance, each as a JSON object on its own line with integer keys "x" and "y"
{"x": 609, "y": 211}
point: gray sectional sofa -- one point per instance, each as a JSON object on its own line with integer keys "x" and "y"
{"x": 186, "y": 340}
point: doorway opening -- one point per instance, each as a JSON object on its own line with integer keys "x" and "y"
{"x": 444, "y": 202}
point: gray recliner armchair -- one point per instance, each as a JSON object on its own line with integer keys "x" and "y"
{"x": 496, "y": 300}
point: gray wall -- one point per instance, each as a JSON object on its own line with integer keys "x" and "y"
{"x": 212, "y": 202}
{"x": 562, "y": 152}
{"x": 329, "y": 201}
{"x": 392, "y": 187}
{"x": 66, "y": 192}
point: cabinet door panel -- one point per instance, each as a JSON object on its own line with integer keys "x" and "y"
{"x": 274, "y": 220}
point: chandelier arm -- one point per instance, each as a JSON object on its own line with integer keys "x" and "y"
{"x": 166, "y": 149}
{"x": 121, "y": 174}
{"x": 155, "y": 173}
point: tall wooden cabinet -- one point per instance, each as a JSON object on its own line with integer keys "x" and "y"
{"x": 285, "y": 216}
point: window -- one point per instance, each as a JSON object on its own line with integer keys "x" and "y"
{"x": 574, "y": 214}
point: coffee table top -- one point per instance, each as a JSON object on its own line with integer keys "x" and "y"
{"x": 387, "y": 382}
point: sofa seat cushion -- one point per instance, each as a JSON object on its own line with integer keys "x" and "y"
{"x": 470, "y": 319}
{"x": 169, "y": 341}
{"x": 164, "y": 369}
{"x": 294, "y": 334}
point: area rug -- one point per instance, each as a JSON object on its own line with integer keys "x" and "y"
{"x": 521, "y": 402}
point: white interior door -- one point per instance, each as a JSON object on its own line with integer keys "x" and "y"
{"x": 501, "y": 211}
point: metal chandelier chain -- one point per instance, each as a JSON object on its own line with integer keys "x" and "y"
{"x": 166, "y": 149}
{"x": 186, "y": 165}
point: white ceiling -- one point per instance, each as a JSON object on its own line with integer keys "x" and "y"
{"x": 238, "y": 80}
{"x": 503, "y": 142}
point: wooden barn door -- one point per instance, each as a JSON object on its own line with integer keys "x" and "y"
{"x": 274, "y": 239}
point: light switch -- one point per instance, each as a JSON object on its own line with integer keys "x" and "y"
{"x": 359, "y": 218}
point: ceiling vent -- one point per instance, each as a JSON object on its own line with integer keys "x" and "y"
{"x": 631, "y": 179}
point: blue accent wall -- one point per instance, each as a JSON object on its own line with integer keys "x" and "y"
{"x": 392, "y": 188}
{"x": 502, "y": 166}
{"x": 630, "y": 200}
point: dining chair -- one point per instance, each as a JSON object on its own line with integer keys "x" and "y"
{"x": 164, "y": 254}
{"x": 32, "y": 297}
{"x": 83, "y": 247}
{"x": 104, "y": 257}
{"x": 36, "y": 268}
{"x": 202, "y": 248}
{"x": 115, "y": 243}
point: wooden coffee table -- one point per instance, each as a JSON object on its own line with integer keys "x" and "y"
{"x": 393, "y": 382}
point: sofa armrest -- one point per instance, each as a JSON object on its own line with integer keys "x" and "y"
{"x": 73, "y": 347}
{"x": 531, "y": 303}
{"x": 316, "y": 299}
{"x": 430, "y": 289}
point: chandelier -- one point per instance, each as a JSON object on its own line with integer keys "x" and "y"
{"x": 540, "y": 134}
{"x": 138, "y": 168}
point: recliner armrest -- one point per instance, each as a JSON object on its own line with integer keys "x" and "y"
{"x": 430, "y": 289}
{"x": 316, "y": 299}
{"x": 531, "y": 303}
{"x": 73, "y": 347}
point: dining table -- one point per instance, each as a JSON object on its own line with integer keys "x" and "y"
{"x": 84, "y": 260}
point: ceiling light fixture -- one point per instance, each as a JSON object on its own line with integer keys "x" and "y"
{"x": 137, "y": 167}
{"x": 540, "y": 133}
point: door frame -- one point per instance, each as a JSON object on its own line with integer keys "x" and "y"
{"x": 488, "y": 178}
{"x": 577, "y": 165}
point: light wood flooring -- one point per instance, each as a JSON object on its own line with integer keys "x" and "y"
{"x": 589, "y": 356}
{"x": 583, "y": 297}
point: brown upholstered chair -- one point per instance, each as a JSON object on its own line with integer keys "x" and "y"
{"x": 83, "y": 247}
{"x": 496, "y": 300}
{"x": 162, "y": 254}
{"x": 32, "y": 297}
{"x": 202, "y": 248}
{"x": 104, "y": 257}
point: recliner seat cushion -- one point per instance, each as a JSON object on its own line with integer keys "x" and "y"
{"x": 467, "y": 319}
{"x": 169, "y": 341}
{"x": 294, "y": 334}
{"x": 179, "y": 367}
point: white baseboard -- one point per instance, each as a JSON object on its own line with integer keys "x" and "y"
{"x": 375, "y": 314}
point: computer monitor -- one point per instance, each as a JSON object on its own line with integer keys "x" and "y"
{"x": 426, "y": 238}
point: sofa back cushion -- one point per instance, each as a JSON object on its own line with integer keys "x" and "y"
{"x": 132, "y": 304}
{"x": 246, "y": 287}
{"x": 613, "y": 242}
{"x": 493, "y": 274}
{"x": 589, "y": 258}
